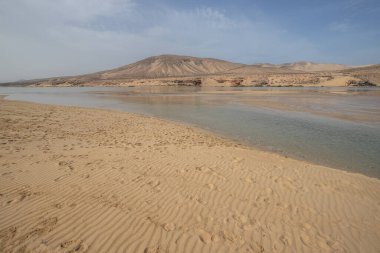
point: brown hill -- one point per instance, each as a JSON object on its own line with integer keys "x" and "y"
{"x": 176, "y": 66}
{"x": 312, "y": 66}
{"x": 296, "y": 67}
{"x": 369, "y": 73}
{"x": 170, "y": 66}
{"x": 375, "y": 68}
{"x": 187, "y": 70}
{"x": 261, "y": 69}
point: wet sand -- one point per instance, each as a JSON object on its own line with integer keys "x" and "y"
{"x": 311, "y": 124}
{"x": 329, "y": 103}
{"x": 87, "y": 180}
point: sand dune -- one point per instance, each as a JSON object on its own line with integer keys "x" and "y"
{"x": 295, "y": 67}
{"x": 312, "y": 66}
{"x": 82, "y": 180}
{"x": 371, "y": 73}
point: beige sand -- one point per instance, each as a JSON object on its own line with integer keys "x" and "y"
{"x": 82, "y": 180}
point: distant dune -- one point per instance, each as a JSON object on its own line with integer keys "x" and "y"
{"x": 188, "y": 70}
{"x": 312, "y": 66}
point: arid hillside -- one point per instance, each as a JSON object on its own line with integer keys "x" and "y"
{"x": 370, "y": 73}
{"x": 193, "y": 71}
{"x": 312, "y": 66}
{"x": 170, "y": 65}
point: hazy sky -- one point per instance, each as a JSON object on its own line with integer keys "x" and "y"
{"x": 42, "y": 38}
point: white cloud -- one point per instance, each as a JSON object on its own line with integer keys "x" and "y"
{"x": 78, "y": 10}
{"x": 343, "y": 26}
{"x": 42, "y": 38}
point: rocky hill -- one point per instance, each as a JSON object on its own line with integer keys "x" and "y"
{"x": 312, "y": 66}
{"x": 169, "y": 66}
{"x": 187, "y": 70}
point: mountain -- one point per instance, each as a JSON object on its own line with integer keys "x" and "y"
{"x": 163, "y": 66}
{"x": 312, "y": 66}
{"x": 375, "y": 68}
{"x": 188, "y": 70}
{"x": 256, "y": 69}
{"x": 369, "y": 73}
{"x": 170, "y": 66}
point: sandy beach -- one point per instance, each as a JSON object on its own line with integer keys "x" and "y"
{"x": 88, "y": 180}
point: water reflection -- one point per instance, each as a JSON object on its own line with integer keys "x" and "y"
{"x": 338, "y": 127}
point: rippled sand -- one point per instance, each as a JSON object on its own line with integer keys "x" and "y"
{"x": 84, "y": 180}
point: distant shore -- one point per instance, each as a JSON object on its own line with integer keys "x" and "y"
{"x": 259, "y": 80}
{"x": 179, "y": 70}
{"x": 90, "y": 180}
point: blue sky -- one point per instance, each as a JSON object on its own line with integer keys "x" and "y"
{"x": 43, "y": 38}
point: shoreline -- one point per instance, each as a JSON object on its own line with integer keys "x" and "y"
{"x": 102, "y": 180}
{"x": 199, "y": 128}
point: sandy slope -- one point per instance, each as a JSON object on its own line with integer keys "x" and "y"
{"x": 81, "y": 180}
{"x": 177, "y": 70}
{"x": 169, "y": 65}
{"x": 188, "y": 70}
{"x": 312, "y": 66}
{"x": 177, "y": 65}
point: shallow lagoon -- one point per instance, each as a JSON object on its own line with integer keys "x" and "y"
{"x": 337, "y": 127}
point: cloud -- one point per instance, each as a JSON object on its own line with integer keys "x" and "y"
{"x": 42, "y": 38}
{"x": 342, "y": 26}
{"x": 353, "y": 4}
{"x": 78, "y": 10}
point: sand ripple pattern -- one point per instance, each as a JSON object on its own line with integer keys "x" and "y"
{"x": 80, "y": 180}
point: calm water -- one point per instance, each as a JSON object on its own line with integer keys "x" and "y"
{"x": 338, "y": 127}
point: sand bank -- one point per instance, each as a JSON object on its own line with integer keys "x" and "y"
{"x": 85, "y": 180}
